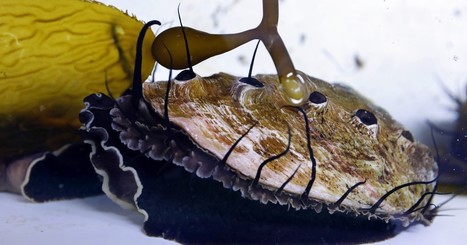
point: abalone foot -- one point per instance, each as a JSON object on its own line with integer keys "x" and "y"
{"x": 108, "y": 155}
{"x": 181, "y": 206}
{"x": 63, "y": 174}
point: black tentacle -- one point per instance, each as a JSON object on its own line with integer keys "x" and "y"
{"x": 137, "y": 78}
{"x": 250, "y": 80}
{"x": 375, "y": 206}
{"x": 281, "y": 188}
{"x": 431, "y": 194}
{"x": 265, "y": 162}
{"x": 226, "y": 156}
{"x": 415, "y": 207}
{"x": 438, "y": 160}
{"x": 186, "y": 74}
{"x": 310, "y": 151}
{"x": 344, "y": 196}
{"x": 167, "y": 92}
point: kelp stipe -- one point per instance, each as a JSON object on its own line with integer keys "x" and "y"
{"x": 294, "y": 85}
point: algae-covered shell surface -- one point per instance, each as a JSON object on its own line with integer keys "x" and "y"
{"x": 318, "y": 150}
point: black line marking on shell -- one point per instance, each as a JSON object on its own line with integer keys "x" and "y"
{"x": 137, "y": 78}
{"x": 312, "y": 157}
{"x": 231, "y": 149}
{"x": 264, "y": 163}
{"x": 344, "y": 196}
{"x": 185, "y": 75}
{"x": 250, "y": 80}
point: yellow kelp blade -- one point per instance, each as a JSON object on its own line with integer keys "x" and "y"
{"x": 52, "y": 54}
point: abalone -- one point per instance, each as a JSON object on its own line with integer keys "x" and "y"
{"x": 334, "y": 150}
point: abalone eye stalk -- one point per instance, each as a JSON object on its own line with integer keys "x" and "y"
{"x": 169, "y": 50}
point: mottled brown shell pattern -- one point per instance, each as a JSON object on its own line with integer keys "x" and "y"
{"x": 217, "y": 111}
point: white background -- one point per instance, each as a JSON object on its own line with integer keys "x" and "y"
{"x": 410, "y": 49}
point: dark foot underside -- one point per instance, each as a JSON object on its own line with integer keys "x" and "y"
{"x": 64, "y": 174}
{"x": 188, "y": 209}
